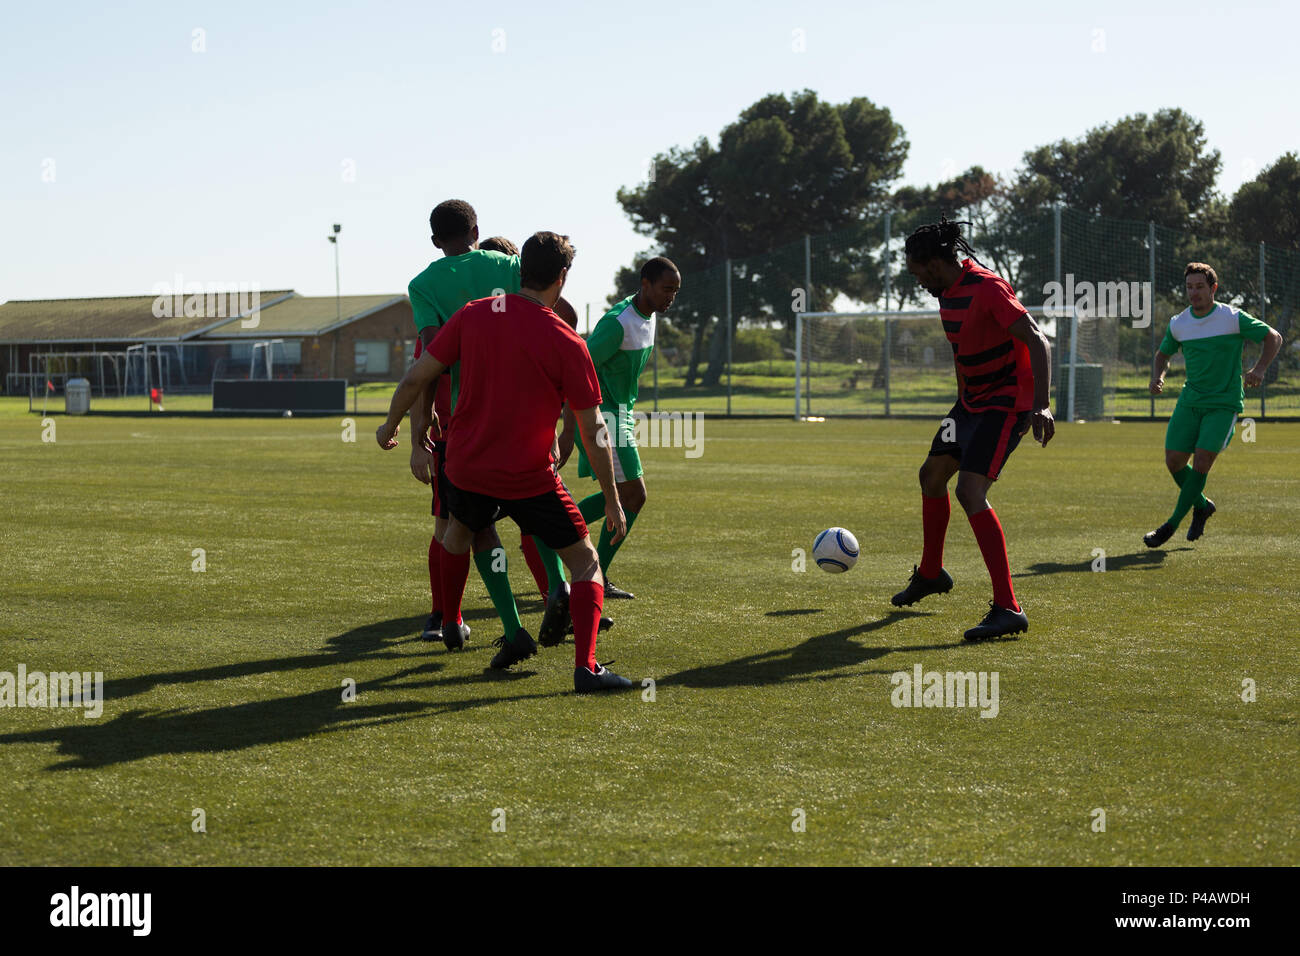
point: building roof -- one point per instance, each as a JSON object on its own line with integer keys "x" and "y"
{"x": 132, "y": 318}
{"x": 149, "y": 318}
{"x": 304, "y": 316}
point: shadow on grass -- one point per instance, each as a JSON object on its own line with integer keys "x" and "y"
{"x": 803, "y": 662}
{"x": 370, "y": 642}
{"x": 1150, "y": 558}
{"x": 794, "y": 611}
{"x": 141, "y": 733}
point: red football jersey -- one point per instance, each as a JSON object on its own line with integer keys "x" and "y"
{"x": 993, "y": 367}
{"x": 519, "y": 363}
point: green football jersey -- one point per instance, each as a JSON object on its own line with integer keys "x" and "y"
{"x": 1212, "y": 347}
{"x": 442, "y": 289}
{"x": 620, "y": 346}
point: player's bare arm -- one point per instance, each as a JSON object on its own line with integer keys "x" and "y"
{"x": 424, "y": 418}
{"x": 1158, "y": 367}
{"x": 425, "y": 370}
{"x": 1272, "y": 345}
{"x": 596, "y": 440}
{"x": 1040, "y": 356}
{"x": 565, "y": 441}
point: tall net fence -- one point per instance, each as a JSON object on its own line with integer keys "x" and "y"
{"x": 839, "y": 317}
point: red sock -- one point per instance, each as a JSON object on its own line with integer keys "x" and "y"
{"x": 934, "y": 524}
{"x": 586, "y": 598}
{"x": 435, "y": 574}
{"x": 455, "y": 572}
{"x": 534, "y": 561}
{"x": 993, "y": 545}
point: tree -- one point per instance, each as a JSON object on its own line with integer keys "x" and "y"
{"x": 1143, "y": 168}
{"x": 1267, "y": 209}
{"x": 788, "y": 167}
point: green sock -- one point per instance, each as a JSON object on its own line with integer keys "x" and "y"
{"x": 1181, "y": 476}
{"x": 1188, "y": 494}
{"x": 551, "y": 561}
{"x": 498, "y": 586}
{"x": 592, "y": 507}
{"x": 605, "y": 550}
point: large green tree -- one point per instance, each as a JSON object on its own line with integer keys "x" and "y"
{"x": 1267, "y": 209}
{"x": 1147, "y": 168}
{"x": 789, "y": 166}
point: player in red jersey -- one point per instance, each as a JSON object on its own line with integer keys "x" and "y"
{"x": 1003, "y": 364}
{"x": 464, "y": 273}
{"x": 519, "y": 363}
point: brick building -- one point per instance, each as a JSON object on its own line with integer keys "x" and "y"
{"x": 360, "y": 338}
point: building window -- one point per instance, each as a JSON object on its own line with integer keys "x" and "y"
{"x": 372, "y": 358}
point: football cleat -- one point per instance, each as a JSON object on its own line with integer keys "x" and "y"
{"x": 556, "y": 619}
{"x": 919, "y": 587}
{"x": 997, "y": 622}
{"x": 518, "y": 648}
{"x": 432, "y": 628}
{"x": 587, "y": 681}
{"x": 1154, "y": 539}
{"x": 616, "y": 592}
{"x": 1198, "y": 520}
{"x": 455, "y": 636}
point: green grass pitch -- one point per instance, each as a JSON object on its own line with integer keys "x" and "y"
{"x": 772, "y": 696}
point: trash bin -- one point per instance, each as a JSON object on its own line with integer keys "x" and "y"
{"x": 77, "y": 396}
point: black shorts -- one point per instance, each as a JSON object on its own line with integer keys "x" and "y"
{"x": 439, "y": 479}
{"x": 552, "y": 517}
{"x": 982, "y": 441}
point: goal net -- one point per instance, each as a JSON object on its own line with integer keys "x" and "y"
{"x": 899, "y": 362}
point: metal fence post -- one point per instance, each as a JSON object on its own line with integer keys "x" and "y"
{"x": 808, "y": 305}
{"x": 728, "y": 267}
{"x": 889, "y": 216}
{"x": 655, "y": 359}
{"x": 1263, "y": 309}
{"x": 798, "y": 358}
{"x": 1151, "y": 299}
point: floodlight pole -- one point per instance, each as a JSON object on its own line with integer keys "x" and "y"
{"x": 338, "y": 299}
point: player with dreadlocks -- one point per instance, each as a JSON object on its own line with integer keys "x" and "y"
{"x": 1003, "y": 365}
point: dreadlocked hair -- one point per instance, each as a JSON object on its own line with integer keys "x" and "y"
{"x": 939, "y": 240}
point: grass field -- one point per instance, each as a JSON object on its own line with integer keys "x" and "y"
{"x": 773, "y": 687}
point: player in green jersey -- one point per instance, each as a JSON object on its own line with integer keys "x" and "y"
{"x": 620, "y": 346}
{"x": 463, "y": 274}
{"x": 1212, "y": 336}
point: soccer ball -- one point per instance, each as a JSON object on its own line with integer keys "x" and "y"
{"x": 835, "y": 550}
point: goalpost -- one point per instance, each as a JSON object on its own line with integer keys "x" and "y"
{"x": 171, "y": 367}
{"x": 899, "y": 362}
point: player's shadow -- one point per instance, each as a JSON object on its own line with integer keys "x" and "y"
{"x": 823, "y": 657}
{"x": 141, "y": 733}
{"x": 369, "y": 642}
{"x": 138, "y": 734}
{"x": 794, "y": 612}
{"x": 1139, "y": 560}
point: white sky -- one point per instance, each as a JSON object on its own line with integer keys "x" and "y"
{"x": 228, "y": 165}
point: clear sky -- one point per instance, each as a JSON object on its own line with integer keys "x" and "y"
{"x": 134, "y": 148}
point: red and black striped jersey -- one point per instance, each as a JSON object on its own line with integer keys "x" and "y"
{"x": 993, "y": 367}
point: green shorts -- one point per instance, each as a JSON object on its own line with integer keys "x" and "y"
{"x": 627, "y": 460}
{"x": 1191, "y": 428}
